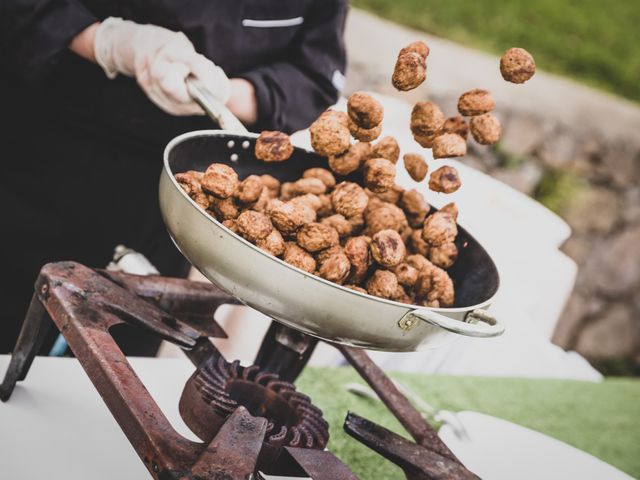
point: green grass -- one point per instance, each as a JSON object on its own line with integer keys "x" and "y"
{"x": 602, "y": 419}
{"x": 593, "y": 41}
{"x": 557, "y": 188}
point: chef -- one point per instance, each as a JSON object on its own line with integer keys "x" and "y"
{"x": 92, "y": 90}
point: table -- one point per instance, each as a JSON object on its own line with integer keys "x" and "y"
{"x": 56, "y": 426}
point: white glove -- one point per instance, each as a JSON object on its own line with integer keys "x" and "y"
{"x": 160, "y": 60}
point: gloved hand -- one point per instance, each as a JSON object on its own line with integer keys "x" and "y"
{"x": 160, "y": 60}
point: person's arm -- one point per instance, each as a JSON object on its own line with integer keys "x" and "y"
{"x": 35, "y": 34}
{"x": 82, "y": 44}
{"x": 292, "y": 92}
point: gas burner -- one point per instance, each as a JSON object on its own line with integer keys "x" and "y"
{"x": 217, "y": 388}
{"x": 249, "y": 419}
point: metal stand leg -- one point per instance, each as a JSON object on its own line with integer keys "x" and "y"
{"x": 285, "y": 351}
{"x": 34, "y": 330}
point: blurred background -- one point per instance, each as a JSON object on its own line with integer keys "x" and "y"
{"x": 570, "y": 138}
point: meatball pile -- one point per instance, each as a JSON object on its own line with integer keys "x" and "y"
{"x": 378, "y": 239}
{"x": 374, "y": 236}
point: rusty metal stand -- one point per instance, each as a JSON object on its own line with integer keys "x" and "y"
{"x": 34, "y": 330}
{"x": 85, "y": 304}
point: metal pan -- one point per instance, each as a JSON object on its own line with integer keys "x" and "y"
{"x": 294, "y": 297}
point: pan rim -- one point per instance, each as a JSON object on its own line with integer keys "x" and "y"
{"x": 216, "y": 133}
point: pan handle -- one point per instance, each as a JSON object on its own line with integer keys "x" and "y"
{"x": 477, "y": 323}
{"x": 213, "y": 107}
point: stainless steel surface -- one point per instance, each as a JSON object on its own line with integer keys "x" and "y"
{"x": 294, "y": 297}
{"x": 213, "y": 107}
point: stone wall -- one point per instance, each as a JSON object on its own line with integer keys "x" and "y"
{"x": 593, "y": 182}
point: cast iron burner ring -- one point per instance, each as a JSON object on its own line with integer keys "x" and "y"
{"x": 218, "y": 387}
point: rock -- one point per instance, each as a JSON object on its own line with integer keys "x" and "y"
{"x": 557, "y": 151}
{"x": 611, "y": 336}
{"x": 570, "y": 321}
{"x": 631, "y": 209}
{"x": 524, "y": 178}
{"x": 594, "y": 210}
{"x": 578, "y": 247}
{"x": 522, "y": 134}
{"x": 622, "y": 161}
{"x": 614, "y": 267}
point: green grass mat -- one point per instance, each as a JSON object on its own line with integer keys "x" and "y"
{"x": 593, "y": 41}
{"x": 602, "y": 419}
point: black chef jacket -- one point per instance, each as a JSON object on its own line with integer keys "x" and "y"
{"x": 81, "y": 154}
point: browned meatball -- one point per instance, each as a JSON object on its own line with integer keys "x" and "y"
{"x": 417, "y": 244}
{"x": 254, "y": 226}
{"x": 364, "y": 134}
{"x": 449, "y": 145}
{"x": 322, "y": 174}
{"x": 418, "y": 47}
{"x": 451, "y": 209}
{"x": 406, "y": 274}
{"x": 364, "y": 110}
{"x": 391, "y": 195}
{"x": 325, "y": 209}
{"x": 439, "y": 228}
{"x": 349, "y": 199}
{"x": 387, "y": 248}
{"x": 357, "y": 251}
{"x": 272, "y": 243}
{"x": 309, "y": 198}
{"x": 341, "y": 224}
{"x": 414, "y": 205}
{"x": 409, "y": 72}
{"x": 416, "y": 166}
{"x": 336, "y": 116}
{"x": 220, "y": 180}
{"x": 517, "y": 65}
{"x": 425, "y": 141}
{"x": 419, "y": 262}
{"x": 457, "y": 125}
{"x": 273, "y": 147}
{"x": 486, "y": 129}
{"x": 349, "y": 161}
{"x": 190, "y": 181}
{"x": 308, "y": 185}
{"x": 356, "y": 288}
{"x": 387, "y": 147}
{"x": 299, "y": 257}
{"x": 475, "y": 102}
{"x": 316, "y": 236}
{"x": 379, "y": 174}
{"x": 329, "y": 136}
{"x": 443, "y": 255}
{"x": 445, "y": 180}
{"x": 426, "y": 119}
{"x": 401, "y": 296}
{"x": 272, "y": 183}
{"x": 434, "y": 284}
{"x": 249, "y": 189}
{"x": 335, "y": 268}
{"x": 224, "y": 209}
{"x": 357, "y": 224}
{"x": 386, "y": 217}
{"x": 322, "y": 255}
{"x": 231, "y": 225}
{"x": 288, "y": 217}
{"x": 383, "y": 284}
